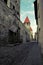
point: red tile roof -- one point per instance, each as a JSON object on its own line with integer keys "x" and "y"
{"x": 27, "y": 20}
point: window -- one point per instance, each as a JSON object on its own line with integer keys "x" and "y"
{"x": 14, "y": 7}
{"x": 5, "y": 1}
{"x": 27, "y": 23}
{"x": 16, "y": 1}
{"x": 18, "y": 13}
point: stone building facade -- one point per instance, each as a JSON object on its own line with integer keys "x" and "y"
{"x": 40, "y": 23}
{"x": 7, "y": 19}
{"x": 11, "y": 28}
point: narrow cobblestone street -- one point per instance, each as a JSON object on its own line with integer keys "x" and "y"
{"x": 23, "y": 54}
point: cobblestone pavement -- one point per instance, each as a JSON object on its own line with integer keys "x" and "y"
{"x": 23, "y": 54}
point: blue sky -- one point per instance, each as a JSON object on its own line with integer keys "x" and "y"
{"x": 27, "y": 9}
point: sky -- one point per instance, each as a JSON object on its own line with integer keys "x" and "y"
{"x": 27, "y": 9}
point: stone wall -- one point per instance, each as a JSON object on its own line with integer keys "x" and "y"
{"x": 9, "y": 17}
{"x": 40, "y": 23}
{"x": 6, "y": 21}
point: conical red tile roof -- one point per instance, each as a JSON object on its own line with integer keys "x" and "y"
{"x": 30, "y": 29}
{"x": 27, "y": 20}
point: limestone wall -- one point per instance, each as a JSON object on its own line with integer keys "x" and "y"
{"x": 40, "y": 23}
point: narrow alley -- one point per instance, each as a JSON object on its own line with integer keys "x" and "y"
{"x": 23, "y": 54}
{"x": 21, "y": 32}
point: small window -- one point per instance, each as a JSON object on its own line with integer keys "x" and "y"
{"x": 18, "y": 13}
{"x": 14, "y": 7}
{"x": 27, "y": 23}
{"x": 15, "y": 1}
{"x": 5, "y": 1}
